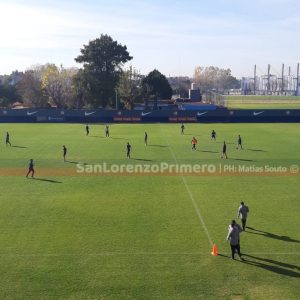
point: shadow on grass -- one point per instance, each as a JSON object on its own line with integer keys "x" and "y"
{"x": 241, "y": 159}
{"x": 269, "y": 265}
{"x": 22, "y": 147}
{"x": 75, "y": 162}
{"x": 208, "y": 151}
{"x": 141, "y": 159}
{"x": 46, "y": 180}
{"x": 256, "y": 150}
{"x": 271, "y": 235}
{"x": 272, "y": 265}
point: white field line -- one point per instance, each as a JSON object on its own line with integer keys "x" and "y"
{"x": 197, "y": 210}
{"x": 139, "y": 254}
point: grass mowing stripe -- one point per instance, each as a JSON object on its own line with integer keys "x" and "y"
{"x": 197, "y": 210}
{"x": 135, "y": 254}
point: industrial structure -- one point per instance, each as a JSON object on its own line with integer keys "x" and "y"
{"x": 272, "y": 83}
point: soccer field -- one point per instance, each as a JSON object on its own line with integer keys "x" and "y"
{"x": 263, "y": 102}
{"x": 70, "y": 235}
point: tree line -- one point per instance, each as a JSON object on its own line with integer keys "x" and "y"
{"x": 101, "y": 82}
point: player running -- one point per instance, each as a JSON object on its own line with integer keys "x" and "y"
{"x": 7, "y": 139}
{"x": 146, "y": 138}
{"x": 107, "y": 131}
{"x": 182, "y": 128}
{"x": 224, "y": 151}
{"x": 194, "y": 143}
{"x": 30, "y": 169}
{"x": 213, "y": 135}
{"x": 239, "y": 144}
{"x": 64, "y": 152}
{"x": 87, "y": 129}
{"x": 128, "y": 150}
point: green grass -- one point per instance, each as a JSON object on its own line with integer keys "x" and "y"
{"x": 139, "y": 237}
{"x": 263, "y": 102}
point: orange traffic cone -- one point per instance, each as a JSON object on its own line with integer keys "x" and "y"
{"x": 214, "y": 250}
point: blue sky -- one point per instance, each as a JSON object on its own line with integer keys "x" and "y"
{"x": 172, "y": 36}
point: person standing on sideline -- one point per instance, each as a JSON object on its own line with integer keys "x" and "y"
{"x": 64, "y": 152}
{"x": 239, "y": 143}
{"x": 30, "y": 169}
{"x": 146, "y": 138}
{"x": 224, "y": 151}
{"x": 87, "y": 129}
{"x": 213, "y": 135}
{"x": 106, "y": 131}
{"x": 243, "y": 214}
{"x": 7, "y": 139}
{"x": 128, "y": 150}
{"x": 182, "y": 128}
{"x": 194, "y": 143}
{"x": 234, "y": 238}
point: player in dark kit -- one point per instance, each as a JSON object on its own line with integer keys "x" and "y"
{"x": 213, "y": 135}
{"x": 239, "y": 144}
{"x": 7, "y": 139}
{"x": 106, "y": 131}
{"x": 30, "y": 169}
{"x": 146, "y": 138}
{"x": 128, "y": 150}
{"x": 224, "y": 151}
{"x": 87, "y": 129}
{"x": 182, "y": 129}
{"x": 64, "y": 152}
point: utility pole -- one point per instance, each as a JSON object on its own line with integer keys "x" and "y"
{"x": 254, "y": 88}
{"x": 268, "y": 87}
{"x": 282, "y": 79}
{"x": 297, "y": 81}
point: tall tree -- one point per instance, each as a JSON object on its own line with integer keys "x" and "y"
{"x": 30, "y": 89}
{"x": 215, "y": 78}
{"x": 156, "y": 86}
{"x": 8, "y": 90}
{"x": 57, "y": 84}
{"x": 129, "y": 87}
{"x": 102, "y": 61}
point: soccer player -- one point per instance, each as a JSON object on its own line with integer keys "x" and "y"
{"x": 106, "y": 131}
{"x": 146, "y": 138}
{"x": 239, "y": 144}
{"x": 182, "y": 128}
{"x": 87, "y": 129}
{"x": 213, "y": 135}
{"x": 7, "y": 139}
{"x": 224, "y": 151}
{"x": 234, "y": 238}
{"x": 194, "y": 143}
{"x": 30, "y": 169}
{"x": 64, "y": 152}
{"x": 243, "y": 214}
{"x": 128, "y": 150}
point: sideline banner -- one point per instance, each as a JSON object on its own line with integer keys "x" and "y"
{"x": 161, "y": 116}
